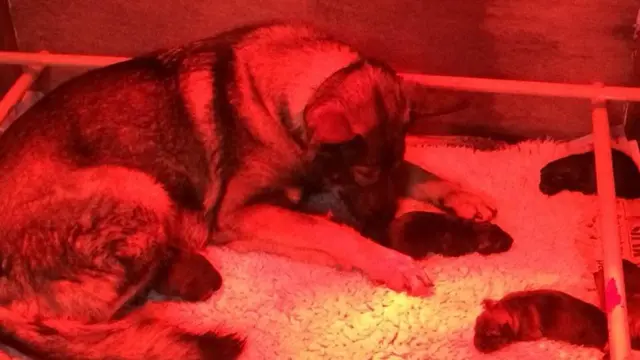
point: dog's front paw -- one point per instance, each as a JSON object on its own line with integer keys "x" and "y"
{"x": 399, "y": 272}
{"x": 467, "y": 205}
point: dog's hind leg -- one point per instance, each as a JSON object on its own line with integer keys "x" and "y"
{"x": 75, "y": 261}
{"x": 91, "y": 243}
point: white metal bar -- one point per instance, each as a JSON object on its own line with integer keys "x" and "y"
{"x": 537, "y": 88}
{"x": 516, "y": 87}
{"x": 615, "y": 293}
{"x": 19, "y": 88}
{"x": 26, "y": 58}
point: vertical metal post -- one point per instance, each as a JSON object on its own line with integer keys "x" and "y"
{"x": 615, "y": 294}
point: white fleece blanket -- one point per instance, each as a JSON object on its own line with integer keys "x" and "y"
{"x": 292, "y": 310}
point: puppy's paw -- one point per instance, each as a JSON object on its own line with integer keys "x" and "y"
{"x": 398, "y": 271}
{"x": 467, "y": 205}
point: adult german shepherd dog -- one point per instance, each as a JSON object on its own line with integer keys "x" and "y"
{"x": 115, "y": 181}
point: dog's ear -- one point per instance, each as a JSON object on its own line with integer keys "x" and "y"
{"x": 328, "y": 123}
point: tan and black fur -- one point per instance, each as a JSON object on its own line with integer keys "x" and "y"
{"x": 114, "y": 182}
{"x": 537, "y": 314}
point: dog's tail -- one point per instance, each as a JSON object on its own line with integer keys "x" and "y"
{"x": 140, "y": 335}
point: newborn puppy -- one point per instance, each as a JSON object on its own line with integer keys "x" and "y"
{"x": 577, "y": 173}
{"x": 419, "y": 233}
{"x": 537, "y": 314}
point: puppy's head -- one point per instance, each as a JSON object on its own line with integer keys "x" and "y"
{"x": 491, "y": 239}
{"x": 357, "y": 121}
{"x": 571, "y": 173}
{"x": 578, "y": 173}
{"x": 494, "y": 328}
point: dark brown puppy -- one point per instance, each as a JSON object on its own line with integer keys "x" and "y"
{"x": 577, "y": 173}
{"x": 420, "y": 233}
{"x": 533, "y": 315}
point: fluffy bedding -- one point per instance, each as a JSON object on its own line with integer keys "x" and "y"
{"x": 296, "y": 310}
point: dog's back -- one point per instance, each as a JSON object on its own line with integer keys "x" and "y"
{"x": 97, "y": 179}
{"x": 129, "y": 114}
{"x": 167, "y": 113}
{"x": 92, "y": 178}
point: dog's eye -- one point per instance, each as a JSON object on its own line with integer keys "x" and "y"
{"x": 365, "y": 175}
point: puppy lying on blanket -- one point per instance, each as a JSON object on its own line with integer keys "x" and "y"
{"x": 419, "y": 233}
{"x": 537, "y": 314}
{"x": 577, "y": 173}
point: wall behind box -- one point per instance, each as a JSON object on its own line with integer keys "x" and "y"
{"x": 546, "y": 40}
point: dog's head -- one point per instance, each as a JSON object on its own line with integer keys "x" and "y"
{"x": 494, "y": 328}
{"x": 357, "y": 121}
